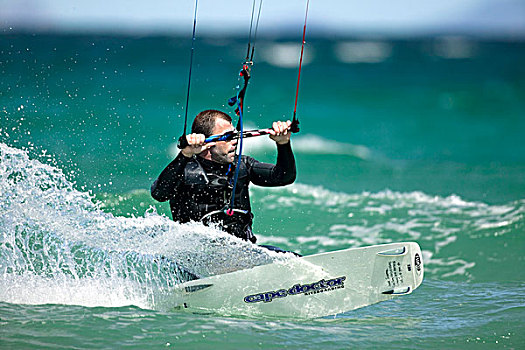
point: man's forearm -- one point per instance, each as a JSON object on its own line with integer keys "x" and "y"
{"x": 285, "y": 166}
{"x": 279, "y": 174}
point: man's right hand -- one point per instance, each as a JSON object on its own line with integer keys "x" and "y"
{"x": 196, "y": 145}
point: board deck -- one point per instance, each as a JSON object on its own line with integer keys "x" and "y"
{"x": 308, "y": 287}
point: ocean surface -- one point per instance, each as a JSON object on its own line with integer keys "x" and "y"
{"x": 401, "y": 140}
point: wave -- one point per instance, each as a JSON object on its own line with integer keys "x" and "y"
{"x": 56, "y": 244}
{"x": 445, "y": 227}
{"x": 363, "y": 51}
{"x": 285, "y": 55}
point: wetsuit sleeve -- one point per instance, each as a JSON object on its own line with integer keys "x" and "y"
{"x": 279, "y": 174}
{"x": 165, "y": 187}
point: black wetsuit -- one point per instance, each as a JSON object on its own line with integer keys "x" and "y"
{"x": 196, "y": 187}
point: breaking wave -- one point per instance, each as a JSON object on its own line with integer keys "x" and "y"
{"x": 58, "y": 246}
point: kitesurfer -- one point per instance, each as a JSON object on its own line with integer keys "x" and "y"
{"x": 198, "y": 182}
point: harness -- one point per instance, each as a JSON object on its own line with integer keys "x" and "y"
{"x": 215, "y": 211}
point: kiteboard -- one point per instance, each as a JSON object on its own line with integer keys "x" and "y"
{"x": 312, "y": 286}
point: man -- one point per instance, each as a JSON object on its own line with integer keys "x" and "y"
{"x": 199, "y": 181}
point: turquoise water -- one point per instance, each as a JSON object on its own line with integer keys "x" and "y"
{"x": 416, "y": 140}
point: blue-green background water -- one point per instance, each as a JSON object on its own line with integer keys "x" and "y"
{"x": 401, "y": 140}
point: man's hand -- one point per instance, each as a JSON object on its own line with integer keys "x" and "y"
{"x": 281, "y": 132}
{"x": 196, "y": 145}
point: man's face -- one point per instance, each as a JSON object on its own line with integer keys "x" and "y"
{"x": 224, "y": 151}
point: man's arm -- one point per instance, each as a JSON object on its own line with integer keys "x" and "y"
{"x": 279, "y": 174}
{"x": 283, "y": 172}
{"x": 165, "y": 187}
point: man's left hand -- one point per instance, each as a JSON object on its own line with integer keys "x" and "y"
{"x": 281, "y": 132}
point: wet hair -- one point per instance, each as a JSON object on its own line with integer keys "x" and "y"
{"x": 205, "y": 121}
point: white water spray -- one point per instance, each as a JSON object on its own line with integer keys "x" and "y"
{"x": 58, "y": 246}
